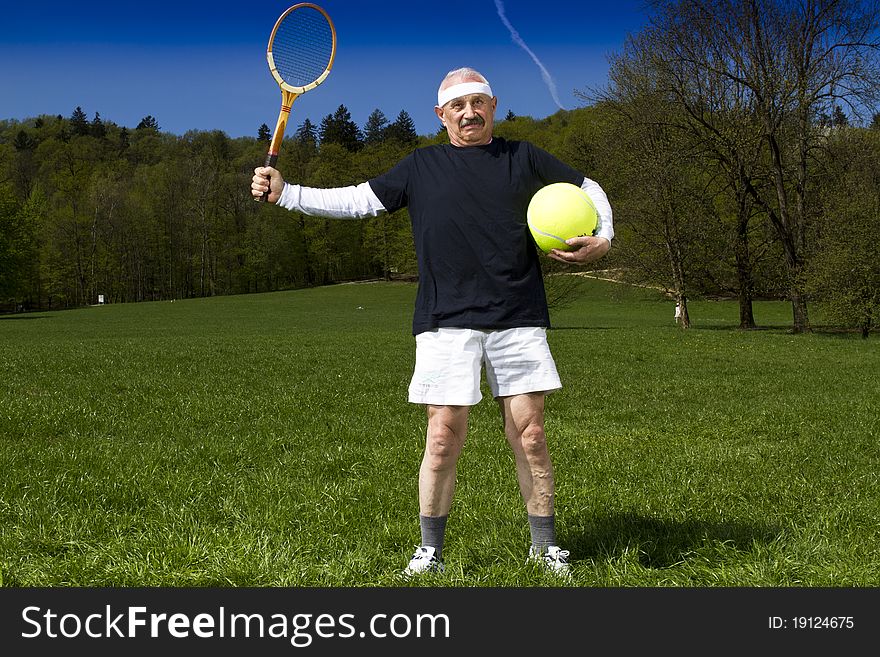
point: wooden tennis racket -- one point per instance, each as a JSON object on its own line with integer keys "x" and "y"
{"x": 300, "y": 55}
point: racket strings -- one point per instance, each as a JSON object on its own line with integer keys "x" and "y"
{"x": 302, "y": 47}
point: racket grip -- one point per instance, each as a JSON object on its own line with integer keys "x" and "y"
{"x": 271, "y": 161}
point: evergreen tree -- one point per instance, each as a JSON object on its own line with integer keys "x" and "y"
{"x": 403, "y": 129}
{"x": 148, "y": 123}
{"x": 327, "y": 130}
{"x": 79, "y": 122}
{"x": 124, "y": 141}
{"x": 338, "y": 128}
{"x": 24, "y": 142}
{"x": 263, "y": 133}
{"x": 375, "y": 127}
{"x": 97, "y": 128}
{"x": 306, "y": 134}
{"x": 510, "y": 116}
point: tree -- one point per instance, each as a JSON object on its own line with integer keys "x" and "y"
{"x": 24, "y": 142}
{"x": 264, "y": 133}
{"x": 662, "y": 195}
{"x": 843, "y": 272}
{"x": 97, "y": 128}
{"x": 16, "y": 245}
{"x": 403, "y": 129}
{"x": 23, "y": 171}
{"x": 306, "y": 134}
{"x": 790, "y": 62}
{"x": 148, "y": 123}
{"x": 387, "y": 239}
{"x": 124, "y": 141}
{"x": 375, "y": 127}
{"x": 802, "y": 58}
{"x": 680, "y": 57}
{"x": 79, "y": 122}
{"x": 338, "y": 128}
{"x": 65, "y": 176}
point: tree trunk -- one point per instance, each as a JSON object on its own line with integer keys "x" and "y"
{"x": 801, "y": 322}
{"x": 742, "y": 256}
{"x": 682, "y": 317}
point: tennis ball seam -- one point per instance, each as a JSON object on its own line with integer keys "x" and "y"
{"x": 545, "y": 234}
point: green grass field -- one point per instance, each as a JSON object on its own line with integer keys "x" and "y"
{"x": 266, "y": 440}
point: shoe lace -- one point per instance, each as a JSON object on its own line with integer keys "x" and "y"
{"x": 560, "y": 556}
{"x": 421, "y": 554}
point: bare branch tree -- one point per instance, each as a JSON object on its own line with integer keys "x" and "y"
{"x": 754, "y": 78}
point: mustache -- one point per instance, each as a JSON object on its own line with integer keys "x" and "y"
{"x": 477, "y": 120}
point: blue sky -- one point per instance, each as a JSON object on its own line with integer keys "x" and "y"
{"x": 200, "y": 65}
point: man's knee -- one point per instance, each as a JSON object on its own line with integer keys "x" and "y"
{"x": 446, "y": 435}
{"x": 534, "y": 440}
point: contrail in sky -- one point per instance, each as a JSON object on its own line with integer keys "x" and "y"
{"x": 517, "y": 39}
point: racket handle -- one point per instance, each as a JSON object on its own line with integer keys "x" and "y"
{"x": 271, "y": 161}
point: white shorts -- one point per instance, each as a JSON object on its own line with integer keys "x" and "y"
{"x": 449, "y": 362}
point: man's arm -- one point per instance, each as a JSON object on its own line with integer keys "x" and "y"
{"x": 353, "y": 202}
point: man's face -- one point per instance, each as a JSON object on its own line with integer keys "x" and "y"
{"x": 469, "y": 119}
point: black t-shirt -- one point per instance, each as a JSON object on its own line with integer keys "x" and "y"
{"x": 478, "y": 264}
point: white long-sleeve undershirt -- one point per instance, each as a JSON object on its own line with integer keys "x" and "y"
{"x": 605, "y": 225}
{"x": 353, "y": 202}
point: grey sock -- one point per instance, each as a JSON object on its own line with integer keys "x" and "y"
{"x": 433, "y": 531}
{"x": 543, "y": 529}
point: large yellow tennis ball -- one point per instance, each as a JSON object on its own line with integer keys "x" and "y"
{"x": 559, "y": 212}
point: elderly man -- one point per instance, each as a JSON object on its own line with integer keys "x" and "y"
{"x": 480, "y": 303}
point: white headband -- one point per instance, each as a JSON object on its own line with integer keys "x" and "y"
{"x": 462, "y": 89}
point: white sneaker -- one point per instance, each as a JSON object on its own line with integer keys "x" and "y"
{"x": 424, "y": 561}
{"x": 553, "y": 559}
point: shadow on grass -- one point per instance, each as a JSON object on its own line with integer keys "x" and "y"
{"x": 824, "y": 331}
{"x": 11, "y": 317}
{"x": 584, "y": 328}
{"x": 661, "y": 542}
{"x": 770, "y": 328}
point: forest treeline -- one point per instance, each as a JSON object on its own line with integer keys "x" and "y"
{"x": 93, "y": 208}
{"x": 737, "y": 140}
